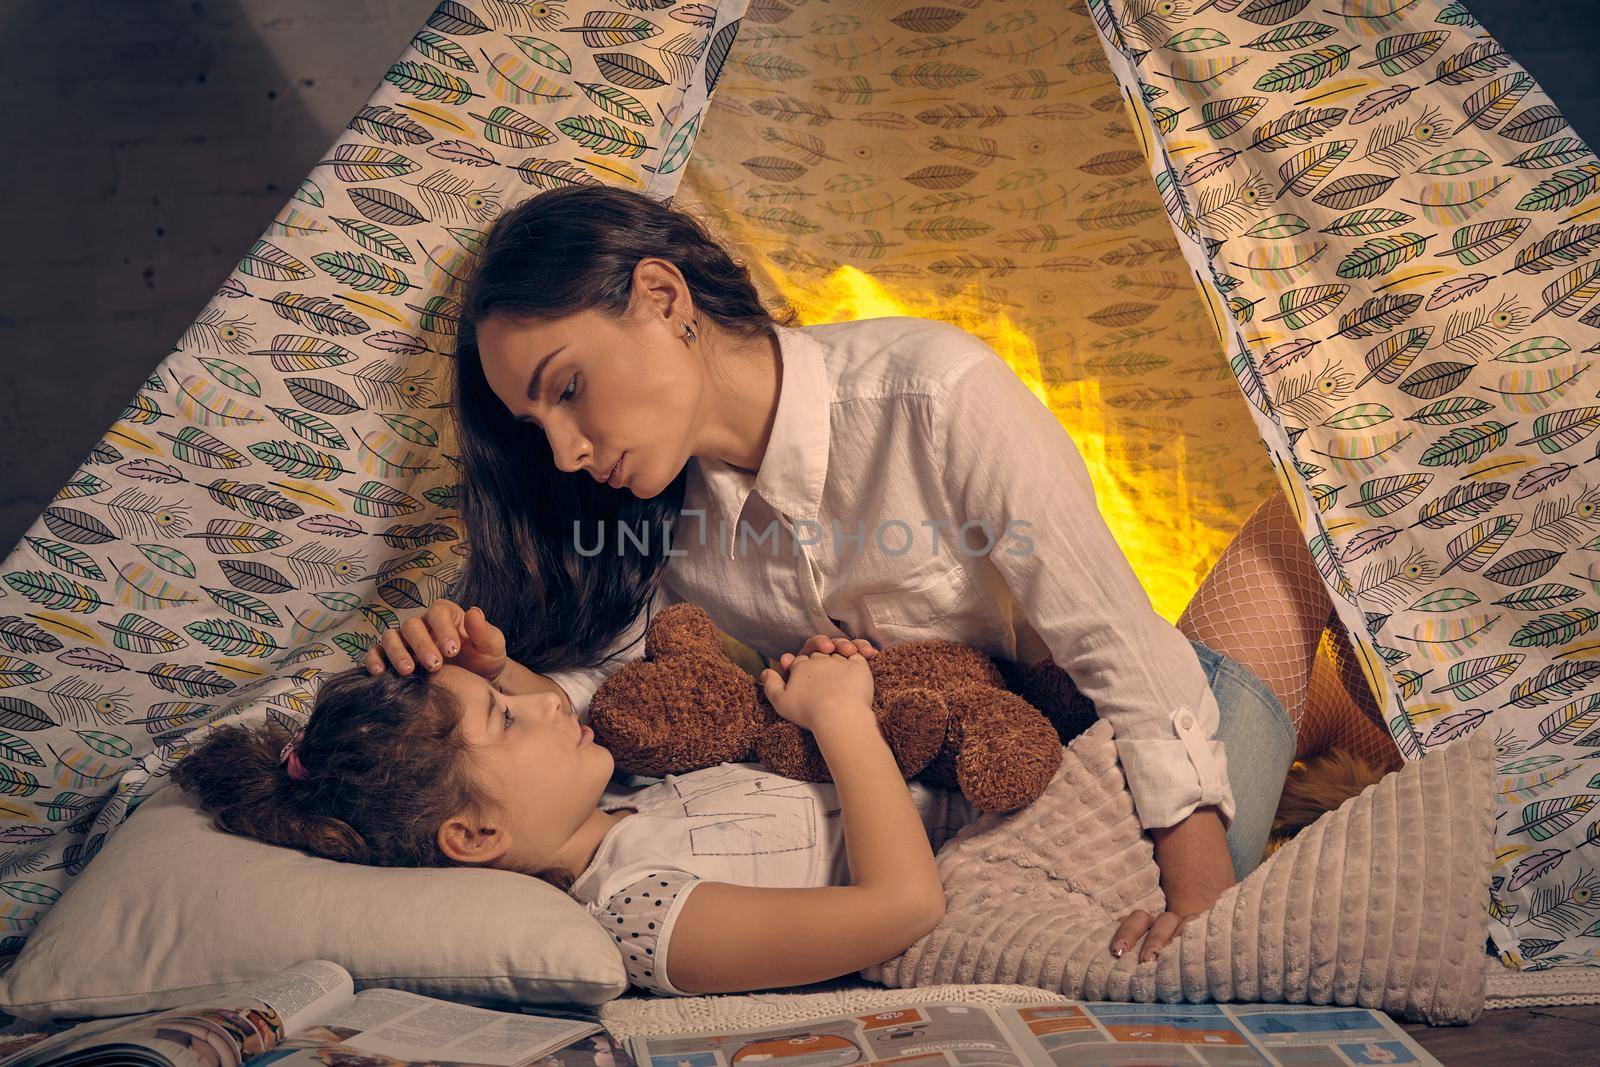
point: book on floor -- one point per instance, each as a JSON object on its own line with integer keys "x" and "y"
{"x": 310, "y": 1014}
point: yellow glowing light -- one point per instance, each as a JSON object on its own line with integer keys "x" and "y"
{"x": 1142, "y": 489}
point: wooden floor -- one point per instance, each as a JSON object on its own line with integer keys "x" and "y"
{"x": 1554, "y": 1036}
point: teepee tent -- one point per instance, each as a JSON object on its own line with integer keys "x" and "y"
{"x": 1358, "y": 227}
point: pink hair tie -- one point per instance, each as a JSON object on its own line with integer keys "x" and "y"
{"x": 290, "y": 758}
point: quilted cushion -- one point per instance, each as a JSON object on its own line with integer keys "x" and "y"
{"x": 1379, "y": 903}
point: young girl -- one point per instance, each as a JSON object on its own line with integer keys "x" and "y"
{"x": 724, "y": 879}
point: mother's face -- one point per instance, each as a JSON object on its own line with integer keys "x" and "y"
{"x": 601, "y": 390}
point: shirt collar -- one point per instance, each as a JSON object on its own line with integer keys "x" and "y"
{"x": 795, "y": 465}
{"x": 796, "y": 461}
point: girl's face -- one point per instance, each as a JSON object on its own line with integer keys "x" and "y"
{"x": 542, "y": 770}
{"x": 604, "y": 390}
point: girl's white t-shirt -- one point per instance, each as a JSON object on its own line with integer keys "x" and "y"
{"x": 736, "y": 823}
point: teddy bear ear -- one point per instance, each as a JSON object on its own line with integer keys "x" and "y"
{"x": 1009, "y": 751}
{"x": 681, "y": 629}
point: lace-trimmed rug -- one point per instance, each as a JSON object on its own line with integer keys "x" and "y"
{"x": 637, "y": 1012}
{"x": 642, "y": 1013}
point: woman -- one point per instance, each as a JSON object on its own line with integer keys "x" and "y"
{"x": 888, "y": 478}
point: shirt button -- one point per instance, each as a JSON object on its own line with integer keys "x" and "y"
{"x": 1186, "y": 722}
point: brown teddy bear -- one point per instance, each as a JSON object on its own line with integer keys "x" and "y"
{"x": 943, "y": 708}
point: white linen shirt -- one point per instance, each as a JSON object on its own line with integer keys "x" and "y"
{"x": 891, "y": 434}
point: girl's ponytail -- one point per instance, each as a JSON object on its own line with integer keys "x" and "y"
{"x": 237, "y": 777}
{"x": 385, "y": 765}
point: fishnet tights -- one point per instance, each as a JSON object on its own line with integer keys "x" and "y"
{"x": 1264, "y": 605}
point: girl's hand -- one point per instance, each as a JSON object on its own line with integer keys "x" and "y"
{"x": 820, "y": 685}
{"x": 442, "y": 634}
{"x": 823, "y": 643}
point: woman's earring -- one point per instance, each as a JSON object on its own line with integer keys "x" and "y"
{"x": 688, "y": 331}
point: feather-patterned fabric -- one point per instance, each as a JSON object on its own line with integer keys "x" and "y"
{"x": 1379, "y": 903}
{"x": 285, "y": 485}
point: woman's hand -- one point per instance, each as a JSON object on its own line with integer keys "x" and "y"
{"x": 442, "y": 634}
{"x": 819, "y": 685}
{"x": 845, "y": 646}
{"x": 1157, "y": 930}
{"x": 1195, "y": 871}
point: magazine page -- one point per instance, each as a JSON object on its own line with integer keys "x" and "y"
{"x": 305, "y": 992}
{"x": 925, "y": 1035}
{"x": 1294, "y": 1035}
{"x": 222, "y": 1031}
{"x": 391, "y": 1028}
{"x": 213, "y": 1037}
{"x": 1055, "y": 1034}
{"x": 70, "y": 1046}
{"x": 596, "y": 1050}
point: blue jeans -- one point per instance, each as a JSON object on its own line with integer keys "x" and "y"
{"x": 1258, "y": 737}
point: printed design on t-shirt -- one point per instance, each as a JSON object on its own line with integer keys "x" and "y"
{"x": 726, "y": 820}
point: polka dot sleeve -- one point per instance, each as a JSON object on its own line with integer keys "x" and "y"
{"x": 639, "y": 917}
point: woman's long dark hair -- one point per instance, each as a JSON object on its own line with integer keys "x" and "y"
{"x": 565, "y": 251}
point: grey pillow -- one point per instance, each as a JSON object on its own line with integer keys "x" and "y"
{"x": 173, "y": 910}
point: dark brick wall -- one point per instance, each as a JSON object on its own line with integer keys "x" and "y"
{"x": 152, "y": 140}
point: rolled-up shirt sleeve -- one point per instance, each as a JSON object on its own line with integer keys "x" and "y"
{"x": 1009, "y": 462}
{"x": 580, "y": 683}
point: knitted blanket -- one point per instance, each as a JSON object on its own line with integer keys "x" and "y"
{"x": 1381, "y": 903}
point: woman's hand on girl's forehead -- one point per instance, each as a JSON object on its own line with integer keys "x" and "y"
{"x": 442, "y": 634}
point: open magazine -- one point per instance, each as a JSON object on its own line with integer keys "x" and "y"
{"x": 1056, "y": 1034}
{"x": 311, "y": 1014}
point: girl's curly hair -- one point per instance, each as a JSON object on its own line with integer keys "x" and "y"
{"x": 386, "y": 764}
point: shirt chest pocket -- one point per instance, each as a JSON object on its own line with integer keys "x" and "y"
{"x": 946, "y": 604}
